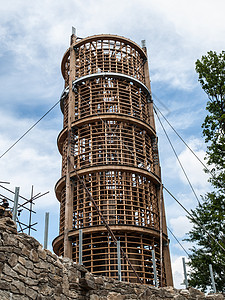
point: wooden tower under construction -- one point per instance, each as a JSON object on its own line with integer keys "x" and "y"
{"x": 110, "y": 163}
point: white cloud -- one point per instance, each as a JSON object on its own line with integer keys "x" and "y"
{"x": 34, "y": 36}
{"x": 34, "y": 160}
{"x": 176, "y": 32}
{"x": 180, "y": 226}
{"x": 193, "y": 167}
{"x": 200, "y": 21}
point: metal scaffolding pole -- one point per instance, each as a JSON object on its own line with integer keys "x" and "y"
{"x": 80, "y": 246}
{"x": 185, "y": 273}
{"x": 212, "y": 278}
{"x": 15, "y": 206}
{"x": 119, "y": 261}
{"x": 30, "y": 215}
{"x": 154, "y": 269}
{"x": 46, "y": 230}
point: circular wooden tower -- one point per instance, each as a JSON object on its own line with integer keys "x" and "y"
{"x": 109, "y": 141}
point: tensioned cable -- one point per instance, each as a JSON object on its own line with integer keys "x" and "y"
{"x": 177, "y": 157}
{"x": 204, "y": 229}
{"x": 30, "y": 129}
{"x": 194, "y": 219}
{"x": 125, "y": 256}
{"x": 189, "y": 149}
{"x": 126, "y": 148}
{"x": 161, "y": 102}
{"x": 183, "y": 140}
{"x": 178, "y": 241}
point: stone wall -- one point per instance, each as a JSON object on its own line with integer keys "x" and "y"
{"x": 27, "y": 271}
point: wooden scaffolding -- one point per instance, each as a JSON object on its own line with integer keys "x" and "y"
{"x": 109, "y": 151}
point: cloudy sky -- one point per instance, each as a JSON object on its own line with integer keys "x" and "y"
{"x": 33, "y": 38}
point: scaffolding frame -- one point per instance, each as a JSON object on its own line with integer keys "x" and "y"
{"x": 110, "y": 184}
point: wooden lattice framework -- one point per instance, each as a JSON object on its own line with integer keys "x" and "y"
{"x": 109, "y": 141}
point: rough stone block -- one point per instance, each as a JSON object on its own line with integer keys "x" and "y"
{"x": 22, "y": 260}
{"x": 42, "y": 265}
{"x": 184, "y": 292}
{"x": 1, "y": 267}
{"x": 99, "y": 280}
{"x": 45, "y": 290}
{"x": 20, "y": 269}
{"x": 215, "y": 296}
{"x": 87, "y": 284}
{"x": 34, "y": 256}
{"x": 115, "y": 296}
{"x": 31, "y": 274}
{"x": 2, "y": 257}
{"x": 94, "y": 297}
{"x": 8, "y": 271}
{"x": 72, "y": 277}
{"x": 31, "y": 293}
{"x": 4, "y": 295}
{"x": 29, "y": 264}
{"x": 193, "y": 292}
{"x": 25, "y": 251}
{"x": 179, "y": 297}
{"x": 13, "y": 260}
{"x": 19, "y": 286}
{"x": 42, "y": 254}
{"x": 4, "y": 285}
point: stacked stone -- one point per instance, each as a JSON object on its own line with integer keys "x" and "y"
{"x": 27, "y": 271}
{"x": 110, "y": 289}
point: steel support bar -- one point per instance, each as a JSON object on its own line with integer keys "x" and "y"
{"x": 80, "y": 246}
{"x": 119, "y": 261}
{"x": 185, "y": 273}
{"x": 115, "y": 75}
{"x": 46, "y": 230}
{"x": 212, "y": 278}
{"x": 20, "y": 205}
{"x": 154, "y": 268}
{"x": 15, "y": 206}
{"x": 31, "y": 202}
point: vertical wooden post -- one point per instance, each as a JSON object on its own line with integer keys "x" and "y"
{"x": 148, "y": 84}
{"x": 161, "y": 234}
{"x": 69, "y": 194}
{"x": 164, "y": 249}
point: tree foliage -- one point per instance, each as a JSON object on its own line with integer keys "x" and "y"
{"x": 211, "y": 71}
{"x": 211, "y": 212}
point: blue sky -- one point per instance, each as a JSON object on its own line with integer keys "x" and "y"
{"x": 33, "y": 39}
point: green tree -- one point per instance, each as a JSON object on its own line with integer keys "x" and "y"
{"x": 211, "y": 212}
